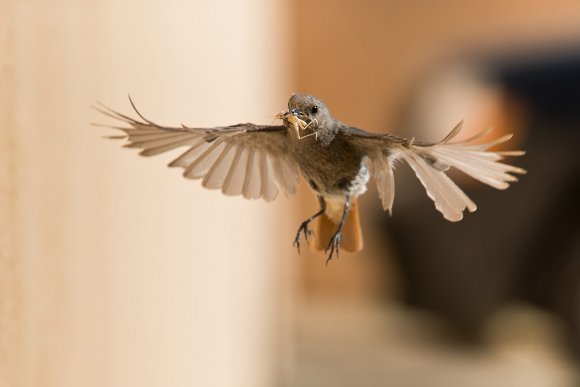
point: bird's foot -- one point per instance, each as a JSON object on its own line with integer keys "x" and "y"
{"x": 333, "y": 246}
{"x": 303, "y": 229}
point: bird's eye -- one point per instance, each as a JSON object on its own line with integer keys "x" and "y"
{"x": 314, "y": 109}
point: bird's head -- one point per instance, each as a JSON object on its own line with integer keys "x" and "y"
{"x": 310, "y": 109}
{"x": 308, "y": 115}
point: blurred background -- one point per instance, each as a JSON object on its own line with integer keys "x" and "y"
{"x": 115, "y": 271}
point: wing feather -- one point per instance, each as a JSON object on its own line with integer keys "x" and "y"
{"x": 243, "y": 159}
{"x": 448, "y": 198}
{"x": 191, "y": 154}
{"x": 430, "y": 161}
{"x": 269, "y": 189}
{"x": 235, "y": 180}
{"x": 385, "y": 180}
{"x": 253, "y": 183}
{"x": 204, "y": 162}
{"x": 162, "y": 145}
{"x": 285, "y": 176}
{"x": 218, "y": 172}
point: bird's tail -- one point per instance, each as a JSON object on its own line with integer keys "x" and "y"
{"x": 352, "y": 240}
{"x": 430, "y": 162}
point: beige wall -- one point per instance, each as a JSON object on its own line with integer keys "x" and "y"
{"x": 10, "y": 284}
{"x": 114, "y": 270}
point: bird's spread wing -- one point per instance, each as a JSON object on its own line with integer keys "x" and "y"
{"x": 430, "y": 161}
{"x": 242, "y": 159}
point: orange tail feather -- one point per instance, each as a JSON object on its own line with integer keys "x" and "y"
{"x": 351, "y": 242}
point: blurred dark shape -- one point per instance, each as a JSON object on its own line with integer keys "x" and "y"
{"x": 550, "y": 88}
{"x": 522, "y": 243}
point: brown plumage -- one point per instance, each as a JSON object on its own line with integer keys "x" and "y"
{"x": 336, "y": 160}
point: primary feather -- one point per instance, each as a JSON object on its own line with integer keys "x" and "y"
{"x": 243, "y": 159}
{"x": 430, "y": 161}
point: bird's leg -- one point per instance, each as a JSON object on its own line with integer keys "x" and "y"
{"x": 304, "y": 226}
{"x": 334, "y": 243}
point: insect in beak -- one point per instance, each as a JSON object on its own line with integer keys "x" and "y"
{"x": 297, "y": 123}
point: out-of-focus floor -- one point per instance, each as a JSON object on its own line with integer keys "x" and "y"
{"x": 372, "y": 345}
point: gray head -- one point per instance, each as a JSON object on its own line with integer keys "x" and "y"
{"x": 312, "y": 110}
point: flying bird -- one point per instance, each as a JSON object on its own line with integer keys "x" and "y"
{"x": 336, "y": 160}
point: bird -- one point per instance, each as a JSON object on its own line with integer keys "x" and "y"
{"x": 335, "y": 159}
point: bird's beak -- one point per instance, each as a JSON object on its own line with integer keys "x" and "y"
{"x": 290, "y": 115}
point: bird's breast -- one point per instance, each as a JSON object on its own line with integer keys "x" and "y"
{"x": 336, "y": 168}
{"x": 358, "y": 185}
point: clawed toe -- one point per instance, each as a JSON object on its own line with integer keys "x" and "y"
{"x": 333, "y": 246}
{"x": 303, "y": 229}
